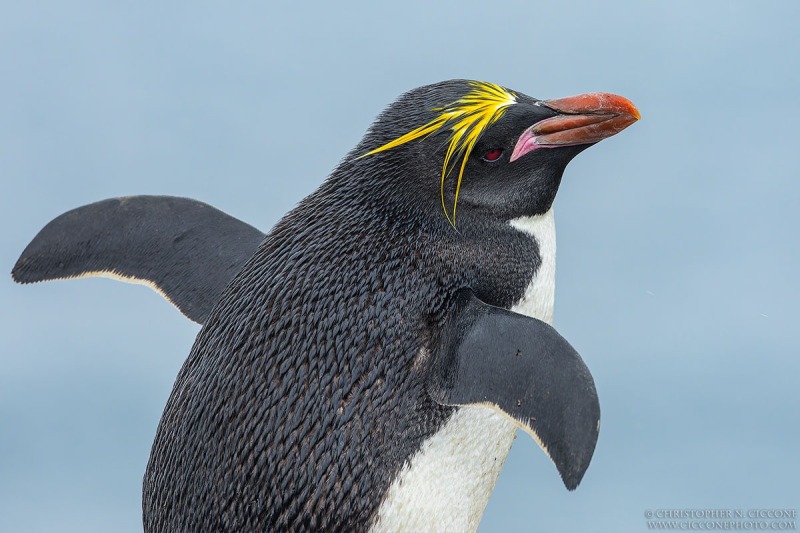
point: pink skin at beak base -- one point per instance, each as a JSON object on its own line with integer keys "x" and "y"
{"x": 525, "y": 144}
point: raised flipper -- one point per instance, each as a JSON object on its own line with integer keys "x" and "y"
{"x": 523, "y": 368}
{"x": 186, "y": 250}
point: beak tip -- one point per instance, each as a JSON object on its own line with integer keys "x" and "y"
{"x": 624, "y": 105}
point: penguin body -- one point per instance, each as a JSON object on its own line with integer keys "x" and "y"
{"x": 368, "y": 364}
{"x": 330, "y": 375}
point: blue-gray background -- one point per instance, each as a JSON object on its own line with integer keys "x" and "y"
{"x": 678, "y": 247}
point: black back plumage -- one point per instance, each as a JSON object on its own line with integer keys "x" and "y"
{"x": 303, "y": 395}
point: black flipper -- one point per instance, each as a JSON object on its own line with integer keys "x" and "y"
{"x": 523, "y": 367}
{"x": 184, "y": 249}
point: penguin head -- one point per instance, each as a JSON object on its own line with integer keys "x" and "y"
{"x": 481, "y": 150}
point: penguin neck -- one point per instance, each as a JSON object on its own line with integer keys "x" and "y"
{"x": 538, "y": 300}
{"x": 446, "y": 485}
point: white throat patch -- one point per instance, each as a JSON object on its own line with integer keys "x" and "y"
{"x": 446, "y": 485}
{"x": 539, "y": 297}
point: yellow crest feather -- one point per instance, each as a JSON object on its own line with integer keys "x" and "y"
{"x": 467, "y": 118}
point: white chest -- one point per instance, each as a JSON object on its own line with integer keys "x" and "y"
{"x": 447, "y": 483}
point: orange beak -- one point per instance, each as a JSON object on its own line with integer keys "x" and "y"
{"x": 582, "y": 119}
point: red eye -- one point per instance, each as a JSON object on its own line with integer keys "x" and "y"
{"x": 493, "y": 154}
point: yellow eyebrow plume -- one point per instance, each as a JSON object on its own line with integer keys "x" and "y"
{"x": 467, "y": 118}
